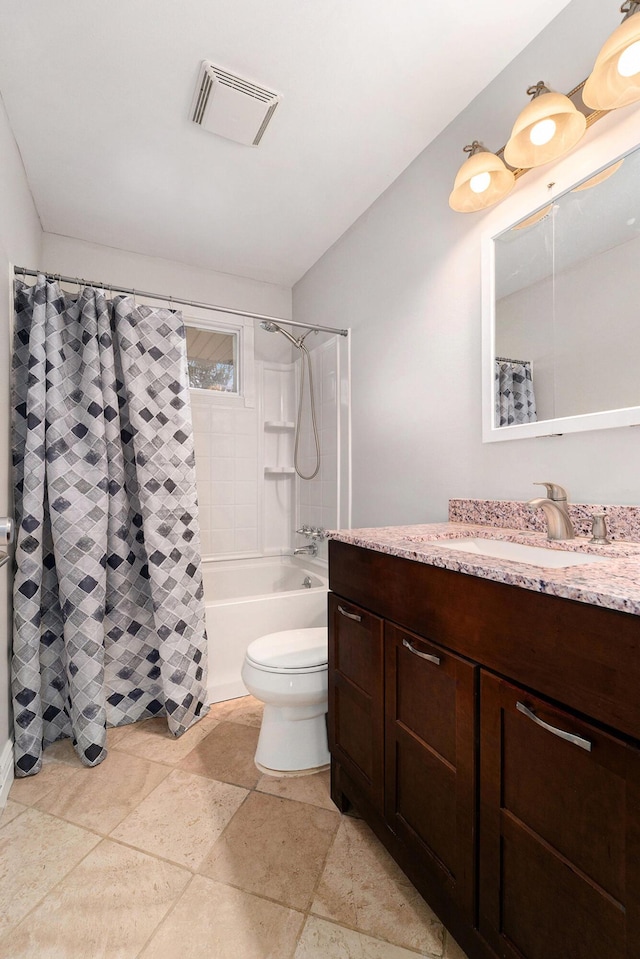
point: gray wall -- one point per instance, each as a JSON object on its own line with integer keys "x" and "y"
{"x": 20, "y": 236}
{"x": 406, "y": 278}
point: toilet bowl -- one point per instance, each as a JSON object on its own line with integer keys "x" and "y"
{"x": 287, "y": 671}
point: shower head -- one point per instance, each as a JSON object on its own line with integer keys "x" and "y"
{"x": 274, "y": 328}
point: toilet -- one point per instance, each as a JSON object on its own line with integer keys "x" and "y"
{"x": 287, "y": 671}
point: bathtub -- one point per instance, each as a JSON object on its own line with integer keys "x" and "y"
{"x": 245, "y": 599}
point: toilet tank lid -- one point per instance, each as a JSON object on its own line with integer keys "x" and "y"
{"x": 290, "y": 649}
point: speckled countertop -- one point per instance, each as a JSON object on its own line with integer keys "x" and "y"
{"x": 614, "y": 584}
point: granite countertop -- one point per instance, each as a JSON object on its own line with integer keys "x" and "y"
{"x": 613, "y": 585}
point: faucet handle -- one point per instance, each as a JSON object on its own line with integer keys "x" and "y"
{"x": 554, "y": 492}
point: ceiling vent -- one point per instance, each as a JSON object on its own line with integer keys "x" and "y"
{"x": 232, "y": 107}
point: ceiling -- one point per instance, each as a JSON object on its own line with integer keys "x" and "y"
{"x": 98, "y": 96}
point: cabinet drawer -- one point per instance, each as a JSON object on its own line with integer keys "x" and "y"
{"x": 356, "y": 695}
{"x": 560, "y": 807}
{"x": 430, "y": 754}
{"x": 581, "y": 655}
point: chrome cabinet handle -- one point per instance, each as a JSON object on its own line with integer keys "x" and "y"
{"x": 358, "y": 619}
{"x": 561, "y": 733}
{"x": 416, "y": 652}
{"x": 3, "y": 560}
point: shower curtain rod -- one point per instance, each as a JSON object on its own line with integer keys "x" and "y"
{"x": 174, "y": 299}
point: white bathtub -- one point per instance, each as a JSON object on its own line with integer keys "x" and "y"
{"x": 245, "y": 599}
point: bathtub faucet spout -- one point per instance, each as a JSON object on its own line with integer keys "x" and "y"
{"x": 310, "y": 550}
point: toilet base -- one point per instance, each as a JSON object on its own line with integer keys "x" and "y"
{"x": 293, "y": 738}
{"x": 291, "y": 773}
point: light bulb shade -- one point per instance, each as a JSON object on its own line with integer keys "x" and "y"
{"x": 465, "y": 199}
{"x": 570, "y": 125}
{"x": 607, "y": 88}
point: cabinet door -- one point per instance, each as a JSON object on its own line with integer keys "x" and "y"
{"x": 356, "y": 695}
{"x": 430, "y": 748}
{"x": 559, "y": 845}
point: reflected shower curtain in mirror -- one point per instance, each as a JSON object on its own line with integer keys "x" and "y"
{"x": 108, "y": 611}
{"x": 515, "y": 399}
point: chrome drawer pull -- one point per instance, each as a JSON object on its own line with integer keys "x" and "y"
{"x": 570, "y": 737}
{"x": 416, "y": 652}
{"x": 358, "y": 619}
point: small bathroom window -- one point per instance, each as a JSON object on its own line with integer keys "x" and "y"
{"x": 212, "y": 359}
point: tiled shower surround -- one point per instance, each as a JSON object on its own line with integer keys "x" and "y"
{"x": 319, "y": 496}
{"x": 226, "y": 445}
{"x": 246, "y": 506}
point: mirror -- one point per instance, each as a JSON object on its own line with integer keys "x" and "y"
{"x": 562, "y": 346}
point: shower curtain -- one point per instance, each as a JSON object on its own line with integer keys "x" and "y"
{"x": 515, "y": 399}
{"x": 108, "y": 611}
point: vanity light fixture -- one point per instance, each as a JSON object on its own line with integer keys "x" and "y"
{"x": 615, "y": 79}
{"x": 482, "y": 180}
{"x": 599, "y": 177}
{"x": 546, "y": 129}
{"x": 535, "y": 217}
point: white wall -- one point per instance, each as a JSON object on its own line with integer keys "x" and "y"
{"x": 406, "y": 279}
{"x": 20, "y": 237}
{"x": 63, "y": 254}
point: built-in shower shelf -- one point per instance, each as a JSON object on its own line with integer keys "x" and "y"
{"x": 272, "y": 470}
{"x": 279, "y": 425}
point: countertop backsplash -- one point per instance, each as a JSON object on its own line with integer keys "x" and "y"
{"x": 623, "y": 522}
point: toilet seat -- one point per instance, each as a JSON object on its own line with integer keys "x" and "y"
{"x": 290, "y": 651}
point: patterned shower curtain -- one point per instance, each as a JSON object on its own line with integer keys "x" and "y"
{"x": 515, "y": 400}
{"x": 108, "y": 610}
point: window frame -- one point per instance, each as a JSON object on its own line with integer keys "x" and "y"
{"x": 243, "y": 331}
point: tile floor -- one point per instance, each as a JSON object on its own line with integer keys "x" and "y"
{"x": 180, "y": 848}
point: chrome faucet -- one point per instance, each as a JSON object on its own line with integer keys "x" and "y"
{"x": 556, "y": 511}
{"x": 310, "y": 550}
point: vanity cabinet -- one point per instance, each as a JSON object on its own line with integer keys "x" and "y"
{"x": 356, "y": 693}
{"x": 559, "y": 822}
{"x": 430, "y": 757}
{"x": 508, "y": 725}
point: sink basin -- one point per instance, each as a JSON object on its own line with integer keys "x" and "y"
{"x": 519, "y": 552}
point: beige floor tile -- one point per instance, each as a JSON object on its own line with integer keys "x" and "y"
{"x": 324, "y": 940}
{"x": 227, "y": 754}
{"x": 217, "y": 921}
{"x": 362, "y": 887}
{"x": 105, "y": 908}
{"x": 36, "y": 851}
{"x": 246, "y": 710}
{"x": 274, "y": 847}
{"x": 312, "y": 789}
{"x": 101, "y": 797}
{"x": 152, "y": 740}
{"x": 32, "y": 789}
{"x": 62, "y": 751}
{"x": 451, "y": 949}
{"x": 182, "y": 818}
{"x": 10, "y": 812}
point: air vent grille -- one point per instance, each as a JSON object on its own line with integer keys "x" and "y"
{"x": 231, "y": 106}
{"x": 202, "y": 98}
{"x": 244, "y": 86}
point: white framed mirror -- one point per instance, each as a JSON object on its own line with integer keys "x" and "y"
{"x": 561, "y": 294}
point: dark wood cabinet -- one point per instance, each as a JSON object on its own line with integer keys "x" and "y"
{"x": 558, "y": 823}
{"x": 430, "y": 736}
{"x": 511, "y": 786}
{"x": 356, "y": 698}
